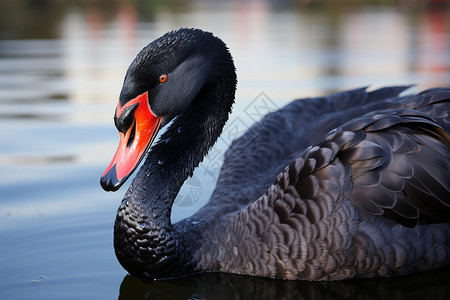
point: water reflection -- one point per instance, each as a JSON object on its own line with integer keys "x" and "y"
{"x": 430, "y": 285}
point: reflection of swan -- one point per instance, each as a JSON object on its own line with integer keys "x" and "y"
{"x": 432, "y": 285}
{"x": 369, "y": 198}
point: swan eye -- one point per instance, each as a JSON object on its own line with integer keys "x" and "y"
{"x": 163, "y": 78}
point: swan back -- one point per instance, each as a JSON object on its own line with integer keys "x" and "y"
{"x": 347, "y": 206}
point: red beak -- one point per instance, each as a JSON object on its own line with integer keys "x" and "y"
{"x": 134, "y": 143}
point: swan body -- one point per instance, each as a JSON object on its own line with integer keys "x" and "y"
{"x": 356, "y": 184}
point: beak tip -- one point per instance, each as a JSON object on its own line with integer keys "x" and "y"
{"x": 109, "y": 180}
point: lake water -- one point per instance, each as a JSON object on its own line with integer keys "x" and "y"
{"x": 61, "y": 70}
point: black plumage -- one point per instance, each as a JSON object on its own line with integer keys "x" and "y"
{"x": 355, "y": 184}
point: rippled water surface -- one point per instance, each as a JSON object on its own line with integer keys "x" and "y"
{"x": 61, "y": 70}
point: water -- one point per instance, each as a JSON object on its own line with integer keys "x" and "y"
{"x": 61, "y": 69}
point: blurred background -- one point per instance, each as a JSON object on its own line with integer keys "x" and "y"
{"x": 62, "y": 64}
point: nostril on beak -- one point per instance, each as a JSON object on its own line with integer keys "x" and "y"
{"x": 126, "y": 118}
{"x": 132, "y": 134}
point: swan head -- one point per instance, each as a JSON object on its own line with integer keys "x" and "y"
{"x": 161, "y": 82}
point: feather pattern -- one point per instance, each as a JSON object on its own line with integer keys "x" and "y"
{"x": 354, "y": 205}
{"x": 355, "y": 184}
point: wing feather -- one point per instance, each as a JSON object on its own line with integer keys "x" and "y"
{"x": 395, "y": 165}
{"x": 402, "y": 165}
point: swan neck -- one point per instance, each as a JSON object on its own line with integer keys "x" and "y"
{"x": 143, "y": 231}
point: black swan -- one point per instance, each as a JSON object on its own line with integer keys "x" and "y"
{"x": 355, "y": 184}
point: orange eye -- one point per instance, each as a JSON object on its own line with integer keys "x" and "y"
{"x": 163, "y": 78}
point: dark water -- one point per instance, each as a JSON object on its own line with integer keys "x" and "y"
{"x": 61, "y": 69}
